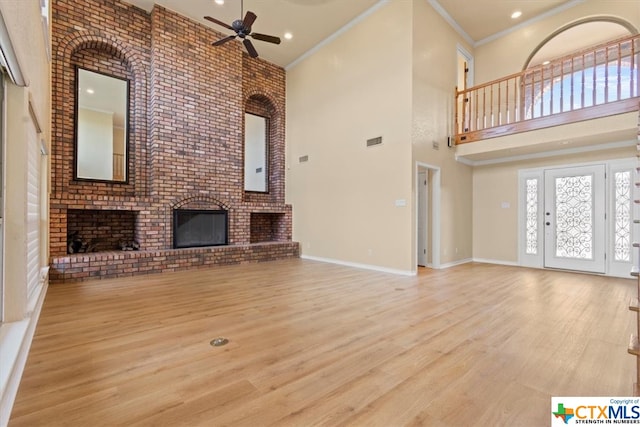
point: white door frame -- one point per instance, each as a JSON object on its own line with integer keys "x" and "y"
{"x": 535, "y": 260}
{"x": 597, "y": 262}
{"x": 3, "y": 180}
{"x": 423, "y": 218}
{"x": 433, "y": 214}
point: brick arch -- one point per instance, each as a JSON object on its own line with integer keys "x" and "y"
{"x": 80, "y": 40}
{"x": 276, "y": 109}
{"x": 262, "y": 103}
{"x": 133, "y": 61}
{"x": 177, "y": 204}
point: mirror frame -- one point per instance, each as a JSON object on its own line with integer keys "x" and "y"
{"x": 267, "y": 140}
{"x": 127, "y": 124}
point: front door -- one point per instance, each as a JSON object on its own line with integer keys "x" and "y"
{"x": 574, "y": 218}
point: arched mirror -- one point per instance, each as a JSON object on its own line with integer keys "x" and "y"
{"x": 255, "y": 153}
{"x": 102, "y": 111}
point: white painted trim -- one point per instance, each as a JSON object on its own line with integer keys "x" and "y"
{"x": 454, "y": 263}
{"x": 434, "y": 215}
{"x": 471, "y": 63}
{"x": 573, "y": 165}
{"x": 465, "y": 161}
{"x": 620, "y": 268}
{"x": 359, "y": 265}
{"x": 545, "y": 154}
{"x": 528, "y": 22}
{"x": 15, "y": 341}
{"x": 9, "y": 57}
{"x": 524, "y": 259}
{"x": 445, "y": 15}
{"x": 349, "y": 25}
{"x": 496, "y": 261}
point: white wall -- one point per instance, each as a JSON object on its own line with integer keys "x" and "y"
{"x": 356, "y": 87}
{"x": 434, "y": 80}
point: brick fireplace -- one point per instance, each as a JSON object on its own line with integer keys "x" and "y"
{"x": 186, "y": 107}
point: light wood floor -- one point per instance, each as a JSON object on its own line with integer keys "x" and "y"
{"x": 319, "y": 344}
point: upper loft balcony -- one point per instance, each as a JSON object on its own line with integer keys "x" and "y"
{"x": 584, "y": 99}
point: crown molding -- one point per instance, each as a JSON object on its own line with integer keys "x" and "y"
{"x": 445, "y": 15}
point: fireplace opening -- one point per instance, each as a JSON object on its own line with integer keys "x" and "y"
{"x": 196, "y": 228}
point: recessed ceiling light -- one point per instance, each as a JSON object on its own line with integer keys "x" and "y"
{"x": 288, "y": 35}
{"x": 546, "y": 62}
{"x": 91, "y": 91}
{"x": 517, "y": 14}
{"x": 220, "y": 2}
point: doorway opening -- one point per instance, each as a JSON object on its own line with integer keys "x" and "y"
{"x": 427, "y": 225}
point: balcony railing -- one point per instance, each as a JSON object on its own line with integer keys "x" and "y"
{"x": 596, "y": 82}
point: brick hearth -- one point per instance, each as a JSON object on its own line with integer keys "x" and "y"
{"x": 187, "y": 104}
{"x": 122, "y": 264}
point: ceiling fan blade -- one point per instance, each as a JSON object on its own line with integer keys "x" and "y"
{"x": 223, "y": 41}
{"x": 249, "y": 19}
{"x": 249, "y": 46}
{"x": 222, "y": 24}
{"x": 265, "y": 38}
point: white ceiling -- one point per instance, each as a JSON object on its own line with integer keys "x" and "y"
{"x": 313, "y": 21}
{"x": 484, "y": 18}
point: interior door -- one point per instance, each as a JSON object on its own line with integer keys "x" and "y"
{"x": 574, "y": 218}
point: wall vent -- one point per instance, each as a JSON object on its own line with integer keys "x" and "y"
{"x": 374, "y": 141}
{"x": 303, "y": 159}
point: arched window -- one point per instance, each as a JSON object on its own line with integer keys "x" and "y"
{"x": 594, "y": 76}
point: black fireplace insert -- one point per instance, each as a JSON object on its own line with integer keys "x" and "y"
{"x": 196, "y": 228}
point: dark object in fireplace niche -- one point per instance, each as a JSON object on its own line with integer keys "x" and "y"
{"x": 129, "y": 245}
{"x": 196, "y": 228}
{"x": 76, "y": 244}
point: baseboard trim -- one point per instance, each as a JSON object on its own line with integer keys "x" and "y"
{"x": 358, "y": 265}
{"x": 15, "y": 341}
{"x": 497, "y": 261}
{"x": 454, "y": 263}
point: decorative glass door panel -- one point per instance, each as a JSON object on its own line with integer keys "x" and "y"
{"x": 574, "y": 218}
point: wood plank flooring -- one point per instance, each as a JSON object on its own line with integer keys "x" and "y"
{"x": 319, "y": 344}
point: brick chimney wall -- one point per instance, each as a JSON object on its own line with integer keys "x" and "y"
{"x": 187, "y": 104}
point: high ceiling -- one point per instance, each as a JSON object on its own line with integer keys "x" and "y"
{"x": 483, "y": 18}
{"x": 313, "y": 21}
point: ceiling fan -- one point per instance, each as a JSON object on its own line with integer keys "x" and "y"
{"x": 242, "y": 29}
